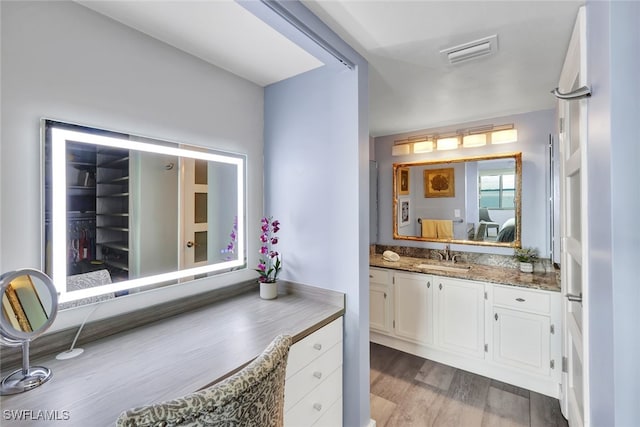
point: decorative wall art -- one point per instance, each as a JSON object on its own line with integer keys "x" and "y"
{"x": 439, "y": 182}
{"x": 404, "y": 211}
{"x": 403, "y": 181}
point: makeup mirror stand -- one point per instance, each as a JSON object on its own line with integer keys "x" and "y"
{"x": 29, "y": 307}
{"x": 27, "y": 377}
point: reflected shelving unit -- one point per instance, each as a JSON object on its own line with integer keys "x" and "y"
{"x": 112, "y": 211}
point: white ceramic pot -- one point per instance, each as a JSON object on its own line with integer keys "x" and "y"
{"x": 526, "y": 267}
{"x": 269, "y": 290}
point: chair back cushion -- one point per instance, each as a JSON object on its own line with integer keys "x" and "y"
{"x": 254, "y": 396}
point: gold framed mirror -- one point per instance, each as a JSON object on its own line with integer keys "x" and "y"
{"x": 467, "y": 200}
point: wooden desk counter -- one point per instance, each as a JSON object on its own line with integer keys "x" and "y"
{"x": 168, "y": 358}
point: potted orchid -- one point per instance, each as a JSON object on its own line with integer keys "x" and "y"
{"x": 270, "y": 262}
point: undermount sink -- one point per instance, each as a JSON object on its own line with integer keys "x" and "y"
{"x": 442, "y": 267}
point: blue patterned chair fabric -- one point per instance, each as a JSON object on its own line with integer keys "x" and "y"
{"x": 254, "y": 396}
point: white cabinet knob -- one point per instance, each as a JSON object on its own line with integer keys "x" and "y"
{"x": 317, "y": 374}
{"x": 317, "y": 346}
{"x": 317, "y": 407}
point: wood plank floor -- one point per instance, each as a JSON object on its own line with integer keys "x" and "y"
{"x": 407, "y": 390}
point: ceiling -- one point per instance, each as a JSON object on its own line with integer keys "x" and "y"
{"x": 220, "y": 32}
{"x": 411, "y": 86}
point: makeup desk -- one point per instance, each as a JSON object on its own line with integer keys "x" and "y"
{"x": 169, "y": 358}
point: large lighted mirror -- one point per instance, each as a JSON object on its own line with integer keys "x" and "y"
{"x": 29, "y": 307}
{"x": 124, "y": 213}
{"x": 471, "y": 200}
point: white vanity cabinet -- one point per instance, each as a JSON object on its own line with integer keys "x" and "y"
{"x": 504, "y": 332}
{"x": 460, "y": 316}
{"x": 313, "y": 386}
{"x": 524, "y": 329}
{"x": 380, "y": 296}
{"x": 413, "y": 307}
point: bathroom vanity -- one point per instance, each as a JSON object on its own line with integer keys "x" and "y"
{"x": 174, "y": 356}
{"x": 492, "y": 321}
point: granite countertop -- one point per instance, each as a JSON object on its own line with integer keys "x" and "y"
{"x": 484, "y": 273}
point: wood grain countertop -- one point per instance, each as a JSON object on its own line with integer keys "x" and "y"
{"x": 168, "y": 358}
{"x": 479, "y": 272}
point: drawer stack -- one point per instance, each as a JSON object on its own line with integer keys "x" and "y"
{"x": 313, "y": 388}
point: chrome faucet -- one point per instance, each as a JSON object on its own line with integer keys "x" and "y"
{"x": 446, "y": 255}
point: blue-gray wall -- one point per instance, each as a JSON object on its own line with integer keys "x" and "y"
{"x": 613, "y": 52}
{"x": 317, "y": 185}
{"x": 533, "y": 139}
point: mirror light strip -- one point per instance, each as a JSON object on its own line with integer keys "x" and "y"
{"x": 59, "y": 138}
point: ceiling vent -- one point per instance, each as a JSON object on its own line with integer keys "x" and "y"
{"x": 471, "y": 50}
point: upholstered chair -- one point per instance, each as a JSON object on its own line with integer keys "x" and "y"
{"x": 254, "y": 396}
{"x": 85, "y": 281}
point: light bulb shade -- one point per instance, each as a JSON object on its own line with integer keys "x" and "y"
{"x": 423, "y": 147}
{"x": 447, "y": 143}
{"x": 504, "y": 136}
{"x": 475, "y": 140}
{"x": 400, "y": 150}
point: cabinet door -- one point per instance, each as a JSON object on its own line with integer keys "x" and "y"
{"x": 413, "y": 307}
{"x": 460, "y": 313}
{"x": 521, "y": 340}
{"x": 379, "y": 308}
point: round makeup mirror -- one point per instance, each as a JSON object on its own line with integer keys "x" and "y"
{"x": 29, "y": 307}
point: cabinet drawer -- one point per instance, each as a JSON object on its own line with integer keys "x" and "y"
{"x": 333, "y": 416}
{"x": 315, "y": 345}
{"x": 522, "y": 299}
{"x": 306, "y": 379}
{"x": 317, "y": 403}
{"x": 379, "y": 276}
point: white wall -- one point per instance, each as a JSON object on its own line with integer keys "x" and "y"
{"x": 533, "y": 138}
{"x": 63, "y": 61}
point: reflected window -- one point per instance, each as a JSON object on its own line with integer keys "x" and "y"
{"x": 497, "y": 189}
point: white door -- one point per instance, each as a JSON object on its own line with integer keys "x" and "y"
{"x": 573, "y": 194}
{"x": 195, "y": 213}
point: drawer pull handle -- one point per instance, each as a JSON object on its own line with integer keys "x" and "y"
{"x": 520, "y": 299}
{"x": 371, "y": 276}
{"x": 317, "y": 374}
{"x": 317, "y": 346}
{"x": 317, "y": 406}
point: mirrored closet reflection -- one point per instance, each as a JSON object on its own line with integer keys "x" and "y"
{"x": 132, "y": 208}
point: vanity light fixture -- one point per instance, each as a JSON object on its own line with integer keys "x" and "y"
{"x": 474, "y": 140}
{"x": 449, "y": 143}
{"x": 504, "y": 136}
{"x": 401, "y": 149}
{"x": 425, "y": 146}
{"x": 467, "y": 138}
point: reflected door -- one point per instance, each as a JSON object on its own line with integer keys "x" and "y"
{"x": 195, "y": 217}
{"x": 573, "y": 151}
